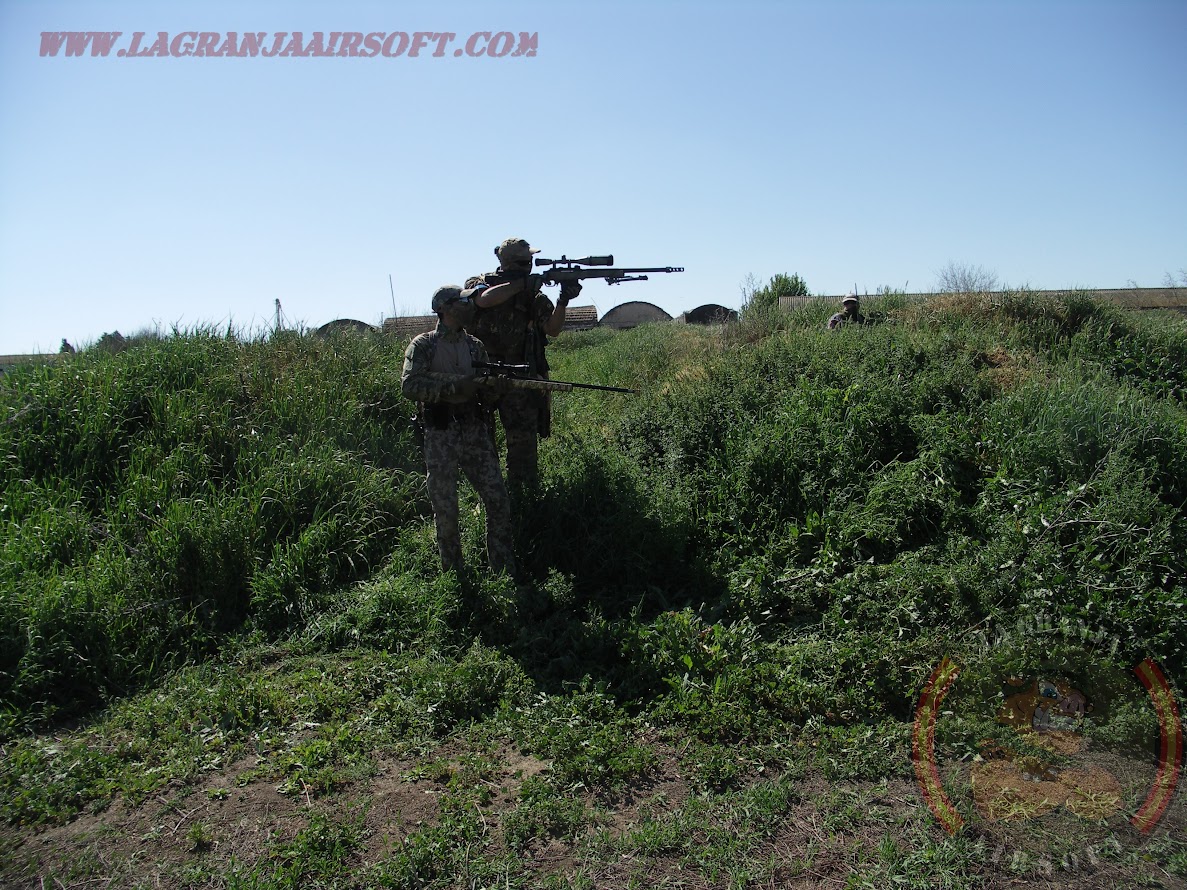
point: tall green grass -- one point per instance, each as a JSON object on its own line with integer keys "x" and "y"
{"x": 786, "y": 527}
{"x": 157, "y": 499}
{"x": 962, "y": 463}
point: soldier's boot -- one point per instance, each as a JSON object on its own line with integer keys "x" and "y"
{"x": 451, "y": 556}
{"x": 522, "y": 459}
{"x": 449, "y": 539}
{"x": 500, "y": 554}
{"x": 501, "y": 559}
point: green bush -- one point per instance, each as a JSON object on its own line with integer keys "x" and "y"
{"x": 767, "y": 296}
{"x": 785, "y": 524}
{"x": 156, "y": 498}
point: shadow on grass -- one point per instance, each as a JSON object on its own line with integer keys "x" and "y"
{"x": 598, "y": 556}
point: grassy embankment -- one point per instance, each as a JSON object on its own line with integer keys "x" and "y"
{"x": 218, "y": 577}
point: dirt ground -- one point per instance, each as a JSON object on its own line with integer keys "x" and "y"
{"x": 191, "y": 835}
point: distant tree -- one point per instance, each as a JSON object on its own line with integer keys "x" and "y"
{"x": 780, "y": 285}
{"x": 113, "y": 342}
{"x": 963, "y": 278}
{"x": 1172, "y": 281}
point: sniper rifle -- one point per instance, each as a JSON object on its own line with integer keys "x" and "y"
{"x": 565, "y": 269}
{"x": 516, "y": 377}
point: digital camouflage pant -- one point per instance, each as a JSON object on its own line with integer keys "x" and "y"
{"x": 519, "y": 410}
{"x": 467, "y": 444}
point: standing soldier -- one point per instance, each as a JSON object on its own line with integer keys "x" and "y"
{"x": 514, "y": 327}
{"x": 439, "y": 374}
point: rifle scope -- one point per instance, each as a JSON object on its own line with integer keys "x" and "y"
{"x": 581, "y": 261}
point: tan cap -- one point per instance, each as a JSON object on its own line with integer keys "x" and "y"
{"x": 850, "y": 297}
{"x": 514, "y": 248}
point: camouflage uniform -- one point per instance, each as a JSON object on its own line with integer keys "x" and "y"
{"x": 457, "y": 434}
{"x": 843, "y": 317}
{"x": 514, "y": 333}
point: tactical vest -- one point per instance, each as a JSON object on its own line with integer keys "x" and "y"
{"x": 438, "y": 415}
{"x": 432, "y": 347}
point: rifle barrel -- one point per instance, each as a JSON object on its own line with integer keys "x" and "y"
{"x": 554, "y": 275}
{"x": 519, "y": 372}
{"x": 595, "y": 386}
{"x": 649, "y": 269}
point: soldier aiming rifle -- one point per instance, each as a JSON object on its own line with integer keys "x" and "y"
{"x": 515, "y": 328}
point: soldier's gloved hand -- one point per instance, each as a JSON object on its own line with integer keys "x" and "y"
{"x": 569, "y": 290}
{"x": 467, "y": 386}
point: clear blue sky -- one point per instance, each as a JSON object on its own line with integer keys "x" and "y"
{"x": 850, "y": 142}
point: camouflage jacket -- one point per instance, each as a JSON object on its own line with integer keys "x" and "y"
{"x": 510, "y": 330}
{"x": 425, "y": 378}
{"x": 841, "y": 319}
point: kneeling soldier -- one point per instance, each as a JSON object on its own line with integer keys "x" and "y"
{"x": 439, "y": 373}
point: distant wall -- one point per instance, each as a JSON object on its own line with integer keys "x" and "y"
{"x": 409, "y": 325}
{"x": 12, "y": 361}
{"x": 1129, "y": 297}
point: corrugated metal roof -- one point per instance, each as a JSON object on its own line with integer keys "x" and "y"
{"x": 409, "y": 325}
{"x": 580, "y": 318}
